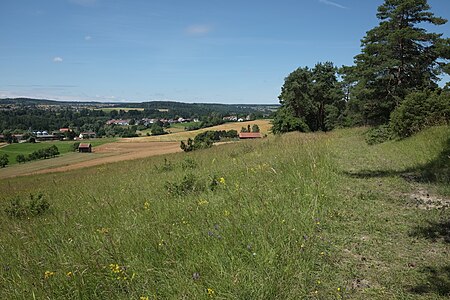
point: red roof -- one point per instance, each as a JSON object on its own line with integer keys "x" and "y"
{"x": 250, "y": 135}
{"x": 84, "y": 145}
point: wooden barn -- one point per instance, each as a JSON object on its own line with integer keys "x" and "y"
{"x": 250, "y": 135}
{"x": 85, "y": 147}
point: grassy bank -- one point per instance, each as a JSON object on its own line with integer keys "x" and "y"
{"x": 301, "y": 216}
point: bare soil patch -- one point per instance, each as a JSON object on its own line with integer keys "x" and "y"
{"x": 422, "y": 199}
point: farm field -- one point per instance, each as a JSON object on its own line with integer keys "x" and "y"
{"x": 105, "y": 153}
{"x": 27, "y": 148}
{"x": 182, "y": 135}
{"x": 298, "y": 216}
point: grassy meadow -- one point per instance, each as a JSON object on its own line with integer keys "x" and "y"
{"x": 63, "y": 146}
{"x": 298, "y": 216}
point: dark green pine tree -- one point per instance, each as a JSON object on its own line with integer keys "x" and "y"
{"x": 398, "y": 57}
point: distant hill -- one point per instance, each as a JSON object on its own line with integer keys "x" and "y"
{"x": 180, "y": 108}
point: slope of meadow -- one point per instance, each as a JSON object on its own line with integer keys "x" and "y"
{"x": 301, "y": 216}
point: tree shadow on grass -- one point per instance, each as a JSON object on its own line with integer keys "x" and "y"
{"x": 433, "y": 231}
{"x": 436, "y": 171}
{"x": 438, "y": 281}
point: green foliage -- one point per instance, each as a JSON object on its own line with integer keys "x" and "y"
{"x": 188, "y": 163}
{"x": 206, "y": 139}
{"x": 255, "y": 128}
{"x": 304, "y": 97}
{"x": 35, "y": 205}
{"x": 398, "y": 57}
{"x": 157, "y": 130}
{"x": 378, "y": 135}
{"x": 20, "y": 158}
{"x": 189, "y": 184}
{"x": 3, "y": 160}
{"x": 75, "y": 146}
{"x": 45, "y": 153}
{"x": 285, "y": 121}
{"x": 421, "y": 110}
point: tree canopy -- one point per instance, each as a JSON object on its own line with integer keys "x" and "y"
{"x": 398, "y": 57}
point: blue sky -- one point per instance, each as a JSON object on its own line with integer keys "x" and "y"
{"x": 221, "y": 51}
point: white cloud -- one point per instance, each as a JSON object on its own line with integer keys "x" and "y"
{"x": 57, "y": 59}
{"x": 332, "y": 4}
{"x": 198, "y": 30}
{"x": 88, "y": 38}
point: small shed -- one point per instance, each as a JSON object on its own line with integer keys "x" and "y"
{"x": 85, "y": 147}
{"x": 250, "y": 135}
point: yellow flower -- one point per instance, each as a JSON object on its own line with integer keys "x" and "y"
{"x": 48, "y": 274}
{"x": 103, "y": 230}
{"x": 210, "y": 292}
{"x": 222, "y": 180}
{"x": 226, "y": 213}
{"x": 322, "y": 253}
{"x": 69, "y": 274}
{"x": 114, "y": 268}
{"x": 339, "y": 289}
{"x": 318, "y": 281}
{"x": 202, "y": 202}
{"x": 146, "y": 205}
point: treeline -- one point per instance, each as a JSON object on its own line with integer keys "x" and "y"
{"x": 393, "y": 83}
{"x": 44, "y": 153}
{"x": 207, "y": 139}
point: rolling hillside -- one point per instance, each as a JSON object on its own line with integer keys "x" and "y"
{"x": 298, "y": 216}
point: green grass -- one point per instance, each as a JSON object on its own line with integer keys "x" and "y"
{"x": 26, "y": 148}
{"x": 301, "y": 216}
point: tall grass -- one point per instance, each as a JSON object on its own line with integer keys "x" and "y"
{"x": 273, "y": 227}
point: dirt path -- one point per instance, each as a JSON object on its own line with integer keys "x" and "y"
{"x": 107, "y": 153}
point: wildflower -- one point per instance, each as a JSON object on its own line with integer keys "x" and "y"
{"x": 226, "y": 213}
{"x": 210, "y": 292}
{"x": 222, "y": 180}
{"x": 103, "y": 230}
{"x": 338, "y": 289}
{"x": 114, "y": 268}
{"x": 143, "y": 298}
{"x": 69, "y": 274}
{"x": 161, "y": 243}
{"x": 322, "y": 253}
{"x": 318, "y": 282}
{"x": 146, "y": 205}
{"x": 196, "y": 276}
{"x": 48, "y": 274}
{"x": 202, "y": 202}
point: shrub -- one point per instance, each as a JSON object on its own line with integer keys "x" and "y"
{"x": 20, "y": 158}
{"x": 3, "y": 160}
{"x": 188, "y": 184}
{"x": 421, "y": 110}
{"x": 188, "y": 163}
{"x": 378, "y": 135}
{"x": 35, "y": 205}
{"x": 75, "y": 146}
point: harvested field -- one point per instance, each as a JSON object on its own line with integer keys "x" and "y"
{"x": 107, "y": 153}
{"x": 264, "y": 126}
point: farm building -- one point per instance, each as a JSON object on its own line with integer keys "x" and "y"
{"x": 85, "y": 147}
{"x": 250, "y": 135}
